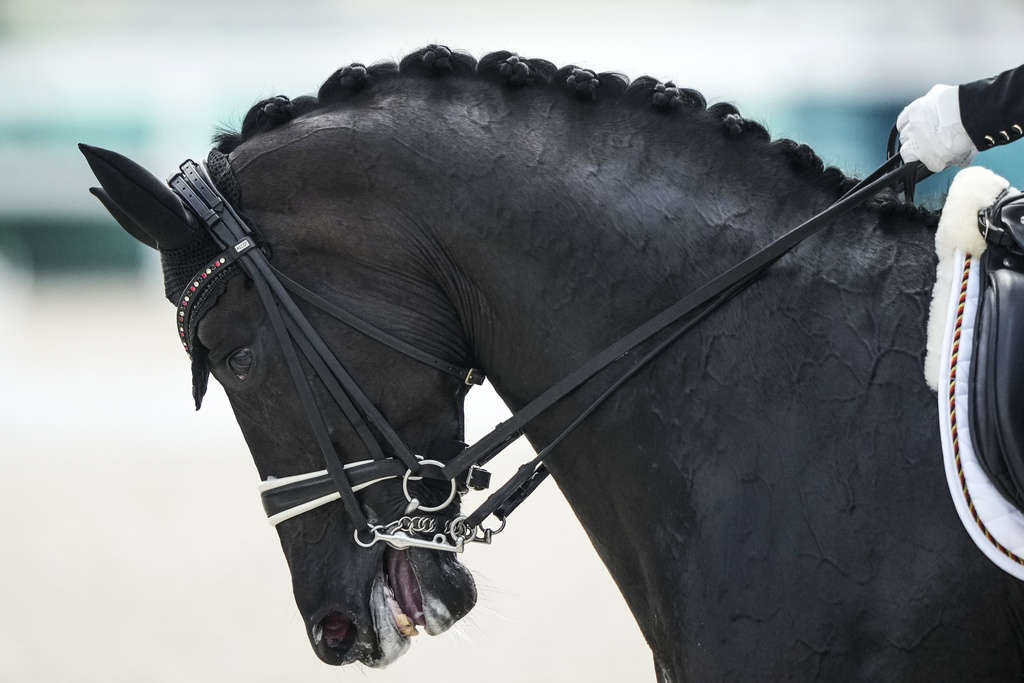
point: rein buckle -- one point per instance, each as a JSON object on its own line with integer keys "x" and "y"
{"x": 478, "y": 478}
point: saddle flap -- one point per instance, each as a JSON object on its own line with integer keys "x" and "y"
{"x": 997, "y": 375}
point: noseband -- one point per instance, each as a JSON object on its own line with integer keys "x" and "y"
{"x": 447, "y": 461}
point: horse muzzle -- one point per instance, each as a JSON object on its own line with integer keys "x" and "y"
{"x": 413, "y": 589}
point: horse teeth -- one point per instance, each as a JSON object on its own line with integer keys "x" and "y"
{"x": 405, "y": 625}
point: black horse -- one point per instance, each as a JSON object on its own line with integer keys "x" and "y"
{"x": 768, "y": 493}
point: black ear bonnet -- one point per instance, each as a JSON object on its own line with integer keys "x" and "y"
{"x": 181, "y": 265}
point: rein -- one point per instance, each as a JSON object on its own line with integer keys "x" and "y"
{"x": 447, "y": 460}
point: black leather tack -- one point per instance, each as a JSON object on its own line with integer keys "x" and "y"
{"x": 997, "y": 376}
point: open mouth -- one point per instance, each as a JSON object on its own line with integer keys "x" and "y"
{"x": 412, "y": 591}
{"x": 402, "y": 592}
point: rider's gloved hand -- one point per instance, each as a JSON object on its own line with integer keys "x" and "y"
{"x": 931, "y": 131}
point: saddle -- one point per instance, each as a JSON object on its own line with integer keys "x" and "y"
{"x": 996, "y": 384}
{"x": 975, "y": 360}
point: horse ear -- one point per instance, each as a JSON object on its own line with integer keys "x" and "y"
{"x": 144, "y": 199}
{"x": 123, "y": 219}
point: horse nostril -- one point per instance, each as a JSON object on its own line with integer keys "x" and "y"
{"x": 333, "y": 629}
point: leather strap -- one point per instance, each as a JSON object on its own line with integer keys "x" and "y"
{"x": 506, "y": 499}
{"x": 467, "y": 375}
{"x": 281, "y": 498}
{"x": 334, "y": 465}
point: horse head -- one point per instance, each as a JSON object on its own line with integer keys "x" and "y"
{"x": 750, "y": 492}
{"x": 358, "y": 603}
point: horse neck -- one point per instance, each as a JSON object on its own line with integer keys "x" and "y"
{"x": 559, "y": 259}
{"x": 558, "y": 282}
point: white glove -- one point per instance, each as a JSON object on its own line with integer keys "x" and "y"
{"x": 931, "y": 131}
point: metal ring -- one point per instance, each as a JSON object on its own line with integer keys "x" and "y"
{"x": 494, "y": 531}
{"x": 405, "y": 488}
{"x": 372, "y": 530}
{"x": 460, "y": 522}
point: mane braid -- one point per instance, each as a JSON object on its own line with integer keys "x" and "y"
{"x": 512, "y": 71}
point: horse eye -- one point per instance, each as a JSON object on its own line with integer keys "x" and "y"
{"x": 240, "y": 363}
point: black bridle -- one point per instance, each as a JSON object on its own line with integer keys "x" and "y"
{"x": 452, "y": 462}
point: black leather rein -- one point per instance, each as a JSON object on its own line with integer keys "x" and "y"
{"x": 290, "y": 496}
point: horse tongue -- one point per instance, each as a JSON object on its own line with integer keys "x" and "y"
{"x": 406, "y": 588}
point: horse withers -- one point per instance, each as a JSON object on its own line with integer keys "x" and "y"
{"x": 767, "y": 494}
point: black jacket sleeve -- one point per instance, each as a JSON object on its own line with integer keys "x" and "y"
{"x": 992, "y": 109}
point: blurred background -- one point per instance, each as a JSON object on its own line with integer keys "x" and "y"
{"x": 134, "y": 547}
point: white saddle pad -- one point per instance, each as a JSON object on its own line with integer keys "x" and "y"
{"x": 993, "y": 523}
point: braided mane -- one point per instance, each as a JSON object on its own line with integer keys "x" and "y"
{"x": 513, "y": 71}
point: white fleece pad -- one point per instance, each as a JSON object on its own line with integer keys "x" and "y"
{"x": 973, "y": 189}
{"x": 994, "y": 524}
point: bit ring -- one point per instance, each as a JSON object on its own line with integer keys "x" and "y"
{"x": 423, "y": 508}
